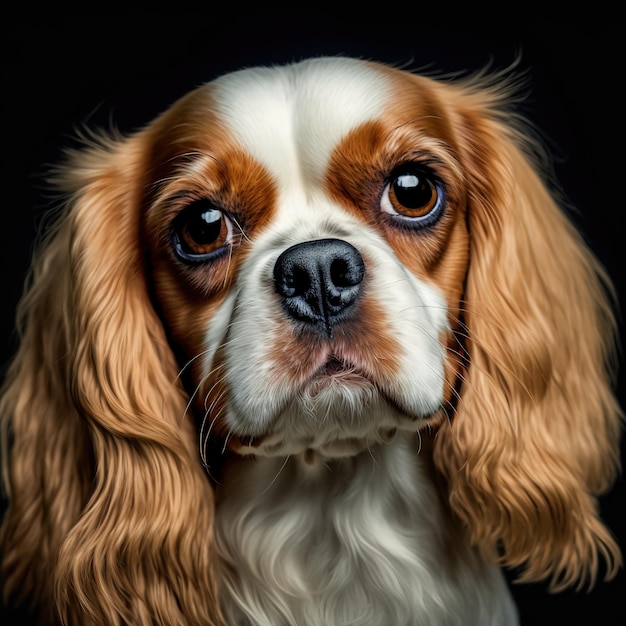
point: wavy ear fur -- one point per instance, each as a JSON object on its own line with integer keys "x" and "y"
{"x": 535, "y": 437}
{"x": 110, "y": 514}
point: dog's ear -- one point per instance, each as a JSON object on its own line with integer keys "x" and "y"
{"x": 110, "y": 513}
{"x": 535, "y": 436}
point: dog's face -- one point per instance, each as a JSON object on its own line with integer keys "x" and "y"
{"x": 309, "y": 248}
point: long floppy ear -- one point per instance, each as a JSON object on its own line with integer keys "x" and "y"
{"x": 535, "y": 436}
{"x": 110, "y": 516}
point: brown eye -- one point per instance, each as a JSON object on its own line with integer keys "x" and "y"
{"x": 201, "y": 232}
{"x": 413, "y": 196}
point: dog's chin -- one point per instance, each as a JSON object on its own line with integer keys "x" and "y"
{"x": 339, "y": 412}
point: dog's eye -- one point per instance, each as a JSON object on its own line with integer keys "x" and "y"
{"x": 413, "y": 196}
{"x": 201, "y": 232}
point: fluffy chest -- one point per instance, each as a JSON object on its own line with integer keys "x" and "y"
{"x": 360, "y": 540}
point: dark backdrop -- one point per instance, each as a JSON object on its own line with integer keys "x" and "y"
{"x": 124, "y": 71}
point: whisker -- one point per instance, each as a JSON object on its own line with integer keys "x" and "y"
{"x": 282, "y": 467}
{"x": 209, "y": 410}
{"x": 205, "y": 442}
{"x": 419, "y": 438}
{"x": 241, "y": 230}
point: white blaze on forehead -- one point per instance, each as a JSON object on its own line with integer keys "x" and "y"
{"x": 290, "y": 118}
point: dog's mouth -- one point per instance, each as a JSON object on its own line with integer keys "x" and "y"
{"x": 335, "y": 366}
{"x": 335, "y": 371}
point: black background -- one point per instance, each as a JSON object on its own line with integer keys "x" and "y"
{"x": 123, "y": 71}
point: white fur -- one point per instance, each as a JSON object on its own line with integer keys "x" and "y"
{"x": 334, "y": 521}
{"x": 354, "y": 541}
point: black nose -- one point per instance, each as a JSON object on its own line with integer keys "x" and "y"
{"x": 320, "y": 281}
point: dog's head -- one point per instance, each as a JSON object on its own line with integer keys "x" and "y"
{"x": 325, "y": 253}
{"x": 309, "y": 246}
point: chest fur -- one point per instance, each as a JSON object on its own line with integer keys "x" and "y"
{"x": 351, "y": 541}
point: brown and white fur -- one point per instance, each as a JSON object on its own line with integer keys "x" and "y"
{"x": 315, "y": 347}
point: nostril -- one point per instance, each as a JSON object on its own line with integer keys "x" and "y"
{"x": 297, "y": 282}
{"x": 346, "y": 274}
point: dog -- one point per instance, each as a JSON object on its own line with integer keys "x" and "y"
{"x": 317, "y": 346}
